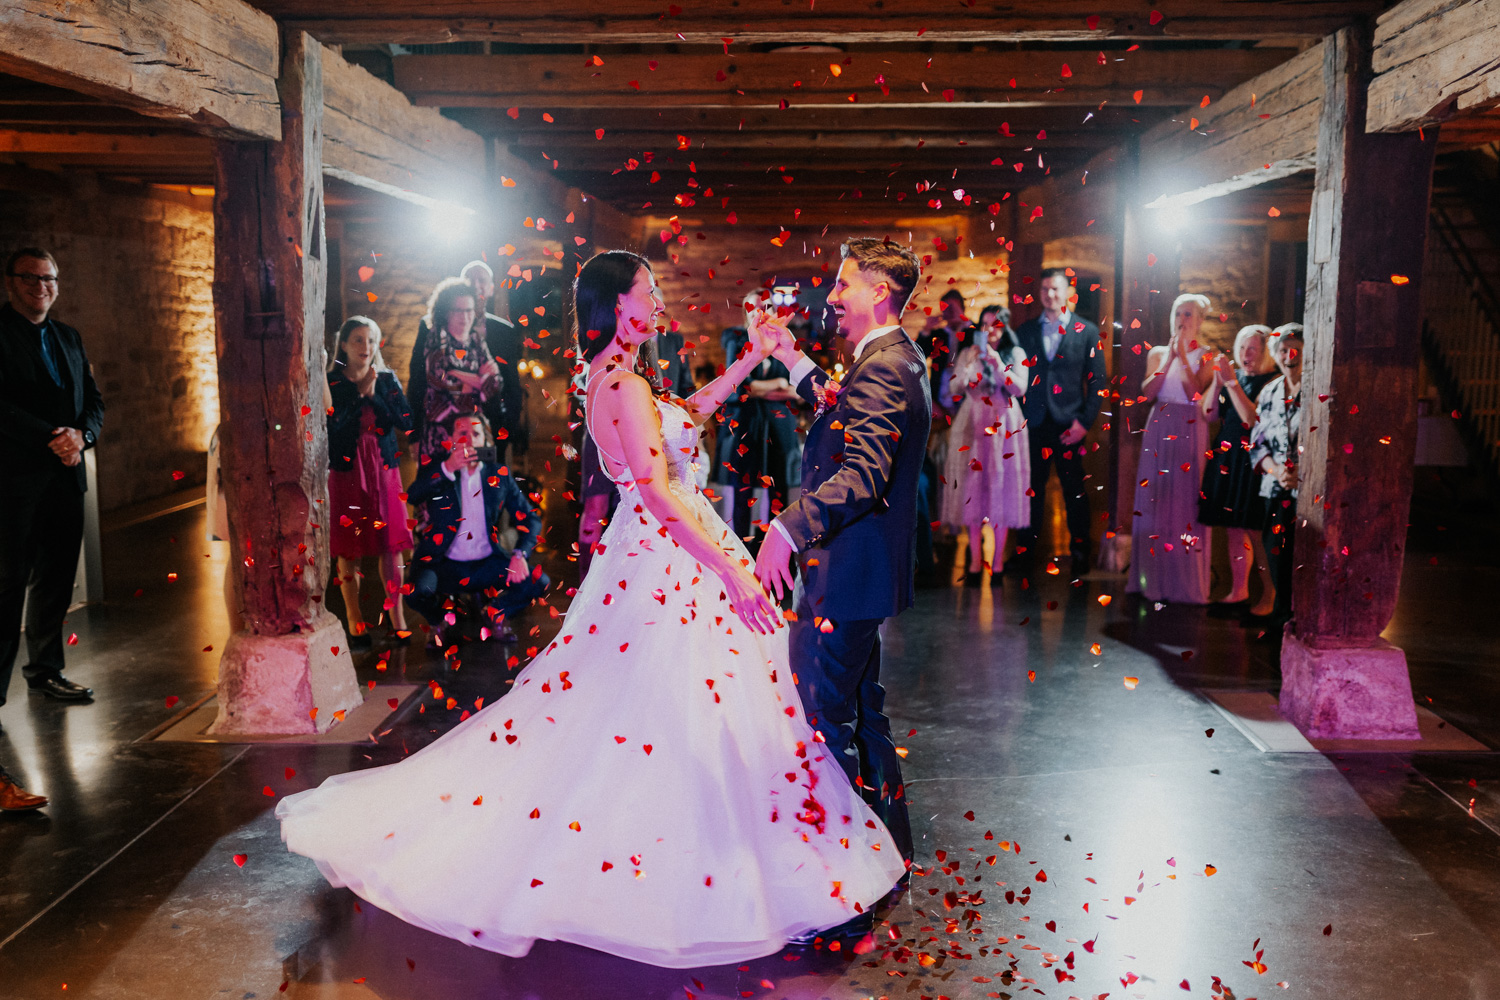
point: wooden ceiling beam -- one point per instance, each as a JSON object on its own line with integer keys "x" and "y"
{"x": 793, "y": 143}
{"x": 210, "y": 65}
{"x": 1433, "y": 60}
{"x": 1263, "y": 130}
{"x": 794, "y": 21}
{"x": 127, "y": 145}
{"x": 740, "y": 122}
{"x": 836, "y": 160}
{"x": 998, "y": 80}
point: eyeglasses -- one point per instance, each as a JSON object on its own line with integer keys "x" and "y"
{"x": 34, "y": 279}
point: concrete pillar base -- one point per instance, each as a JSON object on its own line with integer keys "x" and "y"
{"x": 1344, "y": 692}
{"x": 271, "y": 683}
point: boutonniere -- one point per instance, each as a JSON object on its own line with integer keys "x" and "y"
{"x": 828, "y": 396}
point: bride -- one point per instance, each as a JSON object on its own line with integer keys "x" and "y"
{"x": 650, "y": 787}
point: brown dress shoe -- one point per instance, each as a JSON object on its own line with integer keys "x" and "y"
{"x": 14, "y": 798}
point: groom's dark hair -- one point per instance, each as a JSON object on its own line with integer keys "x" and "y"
{"x": 896, "y": 263}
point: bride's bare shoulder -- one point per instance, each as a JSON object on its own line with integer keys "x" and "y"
{"x": 619, "y": 390}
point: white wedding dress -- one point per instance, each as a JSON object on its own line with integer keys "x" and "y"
{"x": 649, "y": 788}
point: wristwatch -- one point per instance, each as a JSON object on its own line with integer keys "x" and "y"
{"x": 88, "y": 438}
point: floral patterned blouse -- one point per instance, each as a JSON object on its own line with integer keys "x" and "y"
{"x": 1274, "y": 435}
{"x": 448, "y": 398}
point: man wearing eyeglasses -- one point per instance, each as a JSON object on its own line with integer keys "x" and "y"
{"x": 50, "y": 411}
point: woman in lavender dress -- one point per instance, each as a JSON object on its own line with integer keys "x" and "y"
{"x": 1169, "y": 551}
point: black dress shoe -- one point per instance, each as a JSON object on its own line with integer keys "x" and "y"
{"x": 61, "y": 688}
{"x": 973, "y": 578}
{"x": 1229, "y": 609}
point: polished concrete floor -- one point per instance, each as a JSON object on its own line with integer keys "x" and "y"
{"x": 1154, "y": 851}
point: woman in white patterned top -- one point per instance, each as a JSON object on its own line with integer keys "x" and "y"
{"x": 1274, "y": 451}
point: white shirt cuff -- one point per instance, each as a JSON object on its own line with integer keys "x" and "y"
{"x": 801, "y": 370}
{"x": 443, "y": 466}
{"x": 781, "y": 529}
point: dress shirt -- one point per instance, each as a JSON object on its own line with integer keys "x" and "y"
{"x": 1052, "y": 335}
{"x": 473, "y": 540}
{"x": 801, "y": 370}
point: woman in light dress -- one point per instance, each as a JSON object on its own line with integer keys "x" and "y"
{"x": 650, "y": 787}
{"x": 1169, "y": 551}
{"x": 988, "y": 467}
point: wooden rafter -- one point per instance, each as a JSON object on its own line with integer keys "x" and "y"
{"x": 786, "y": 21}
{"x": 1434, "y": 59}
{"x": 995, "y": 80}
{"x": 210, "y": 65}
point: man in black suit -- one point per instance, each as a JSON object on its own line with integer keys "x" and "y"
{"x": 1062, "y": 399}
{"x": 854, "y": 528}
{"x": 459, "y": 550}
{"x": 507, "y": 413}
{"x": 50, "y": 411}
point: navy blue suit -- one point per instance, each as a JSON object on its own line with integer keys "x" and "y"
{"x": 433, "y": 575}
{"x": 855, "y": 530}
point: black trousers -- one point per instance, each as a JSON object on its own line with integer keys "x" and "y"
{"x": 1280, "y": 537}
{"x": 433, "y": 582}
{"x": 838, "y": 677}
{"x": 41, "y": 530}
{"x": 1047, "y": 449}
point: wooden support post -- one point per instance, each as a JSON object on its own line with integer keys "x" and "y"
{"x": 1359, "y": 421}
{"x": 286, "y": 669}
{"x": 1146, "y": 275}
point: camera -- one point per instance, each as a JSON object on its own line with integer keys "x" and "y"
{"x": 487, "y": 453}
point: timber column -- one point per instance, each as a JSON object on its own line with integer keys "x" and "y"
{"x": 1340, "y": 679}
{"x": 286, "y": 669}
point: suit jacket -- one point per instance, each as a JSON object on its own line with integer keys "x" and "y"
{"x": 506, "y": 411}
{"x": 855, "y": 525}
{"x": 31, "y": 404}
{"x": 677, "y": 377}
{"x": 1067, "y": 387}
{"x": 445, "y": 510}
{"x": 392, "y": 416}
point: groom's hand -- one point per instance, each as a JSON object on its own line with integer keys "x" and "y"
{"x": 773, "y": 565}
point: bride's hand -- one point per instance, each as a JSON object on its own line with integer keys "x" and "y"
{"x": 748, "y": 600}
{"x": 769, "y": 335}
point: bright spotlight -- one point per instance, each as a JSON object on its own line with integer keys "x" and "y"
{"x": 449, "y": 220}
{"x": 1170, "y": 217}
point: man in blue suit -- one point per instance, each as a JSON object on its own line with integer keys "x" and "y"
{"x": 459, "y": 550}
{"x": 854, "y": 529}
{"x": 1062, "y": 400}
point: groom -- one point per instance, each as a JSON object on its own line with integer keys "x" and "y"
{"x": 854, "y": 528}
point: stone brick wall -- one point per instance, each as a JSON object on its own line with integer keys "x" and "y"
{"x": 704, "y": 280}
{"x": 136, "y": 265}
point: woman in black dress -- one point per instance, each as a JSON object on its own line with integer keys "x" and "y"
{"x": 1230, "y": 494}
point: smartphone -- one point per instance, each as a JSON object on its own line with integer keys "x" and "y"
{"x": 487, "y": 454}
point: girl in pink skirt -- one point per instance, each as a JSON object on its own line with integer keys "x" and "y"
{"x": 367, "y": 508}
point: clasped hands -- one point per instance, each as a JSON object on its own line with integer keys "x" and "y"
{"x": 67, "y": 444}
{"x": 769, "y": 336}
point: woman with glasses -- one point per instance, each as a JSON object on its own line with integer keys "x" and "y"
{"x": 462, "y": 377}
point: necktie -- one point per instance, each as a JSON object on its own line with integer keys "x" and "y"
{"x": 48, "y": 359}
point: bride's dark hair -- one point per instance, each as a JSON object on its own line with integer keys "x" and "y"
{"x": 596, "y": 293}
